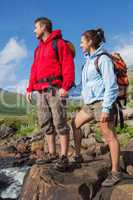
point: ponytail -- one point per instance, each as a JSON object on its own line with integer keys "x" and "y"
{"x": 100, "y": 32}
{"x": 96, "y": 35}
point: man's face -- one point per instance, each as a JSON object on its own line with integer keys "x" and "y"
{"x": 39, "y": 30}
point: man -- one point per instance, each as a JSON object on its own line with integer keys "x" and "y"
{"x": 52, "y": 77}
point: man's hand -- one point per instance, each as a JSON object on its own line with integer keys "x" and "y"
{"x": 63, "y": 93}
{"x": 29, "y": 97}
{"x": 104, "y": 117}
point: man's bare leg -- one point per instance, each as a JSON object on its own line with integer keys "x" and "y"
{"x": 64, "y": 142}
{"x": 51, "y": 144}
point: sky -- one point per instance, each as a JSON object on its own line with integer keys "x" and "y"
{"x": 17, "y": 40}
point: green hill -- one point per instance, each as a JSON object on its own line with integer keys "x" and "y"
{"x": 12, "y": 103}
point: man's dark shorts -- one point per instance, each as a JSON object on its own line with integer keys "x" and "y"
{"x": 52, "y": 114}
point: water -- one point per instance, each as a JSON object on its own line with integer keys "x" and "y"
{"x": 15, "y": 176}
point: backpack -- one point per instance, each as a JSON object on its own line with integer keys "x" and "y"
{"x": 71, "y": 47}
{"x": 120, "y": 70}
{"x": 69, "y": 44}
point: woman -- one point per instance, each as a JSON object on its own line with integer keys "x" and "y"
{"x": 99, "y": 91}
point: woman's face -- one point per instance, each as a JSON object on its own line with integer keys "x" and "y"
{"x": 85, "y": 44}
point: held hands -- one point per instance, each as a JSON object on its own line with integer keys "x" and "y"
{"x": 29, "y": 97}
{"x": 104, "y": 117}
{"x": 63, "y": 92}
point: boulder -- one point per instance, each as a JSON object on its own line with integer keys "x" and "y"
{"x": 130, "y": 170}
{"x": 123, "y": 190}
{"x": 43, "y": 182}
{"x": 6, "y": 131}
{"x": 128, "y": 153}
{"x": 128, "y": 113}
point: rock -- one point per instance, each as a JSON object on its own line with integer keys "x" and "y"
{"x": 94, "y": 149}
{"x": 4, "y": 154}
{"x": 130, "y": 170}
{"x": 5, "y": 182}
{"x": 37, "y": 145}
{"x": 6, "y": 131}
{"x": 22, "y": 148}
{"x": 6, "y": 162}
{"x": 129, "y": 122}
{"x": 122, "y": 164}
{"x": 123, "y": 190}
{"x": 128, "y": 113}
{"x": 24, "y": 140}
{"x": 86, "y": 130}
{"x": 88, "y": 142}
{"x": 37, "y": 136}
{"x": 130, "y": 145}
{"x": 11, "y": 149}
{"x": 76, "y": 184}
{"x": 7, "y": 151}
{"x": 128, "y": 153}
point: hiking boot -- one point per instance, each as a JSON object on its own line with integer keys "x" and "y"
{"x": 49, "y": 158}
{"x": 112, "y": 179}
{"x": 62, "y": 164}
{"x": 78, "y": 159}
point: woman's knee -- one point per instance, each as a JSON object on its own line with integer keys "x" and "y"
{"x": 107, "y": 133}
{"x": 74, "y": 123}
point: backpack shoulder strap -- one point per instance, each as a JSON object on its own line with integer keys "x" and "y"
{"x": 97, "y": 59}
{"x": 54, "y": 44}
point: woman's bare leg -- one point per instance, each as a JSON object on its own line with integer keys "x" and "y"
{"x": 81, "y": 118}
{"x": 111, "y": 138}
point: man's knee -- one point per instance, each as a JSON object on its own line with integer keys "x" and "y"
{"x": 62, "y": 129}
{"x": 49, "y": 133}
{"x": 48, "y": 130}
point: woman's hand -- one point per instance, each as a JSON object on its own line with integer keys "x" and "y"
{"x": 104, "y": 117}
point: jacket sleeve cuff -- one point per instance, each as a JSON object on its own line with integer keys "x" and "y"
{"x": 105, "y": 110}
{"x": 66, "y": 87}
{"x": 29, "y": 89}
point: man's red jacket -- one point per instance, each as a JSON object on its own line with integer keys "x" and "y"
{"x": 47, "y": 65}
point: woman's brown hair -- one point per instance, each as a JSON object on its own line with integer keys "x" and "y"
{"x": 96, "y": 35}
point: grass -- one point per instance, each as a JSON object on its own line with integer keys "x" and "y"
{"x": 26, "y": 122}
{"x": 126, "y": 130}
{"x": 12, "y": 103}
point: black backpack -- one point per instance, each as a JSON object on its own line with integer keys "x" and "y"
{"x": 71, "y": 47}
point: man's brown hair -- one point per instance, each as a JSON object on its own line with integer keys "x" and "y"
{"x": 46, "y": 21}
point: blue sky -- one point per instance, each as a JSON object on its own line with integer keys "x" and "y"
{"x": 17, "y": 41}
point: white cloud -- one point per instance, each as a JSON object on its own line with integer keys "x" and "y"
{"x": 124, "y": 45}
{"x": 10, "y": 56}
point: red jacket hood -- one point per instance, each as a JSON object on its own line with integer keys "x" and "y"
{"x": 55, "y": 34}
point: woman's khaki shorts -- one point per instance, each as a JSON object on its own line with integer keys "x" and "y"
{"x": 94, "y": 110}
